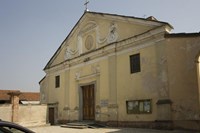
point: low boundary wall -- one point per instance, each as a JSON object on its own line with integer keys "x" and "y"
{"x": 27, "y": 115}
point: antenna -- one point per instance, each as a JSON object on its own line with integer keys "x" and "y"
{"x": 86, "y": 5}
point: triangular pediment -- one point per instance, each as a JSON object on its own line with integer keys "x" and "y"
{"x": 96, "y": 30}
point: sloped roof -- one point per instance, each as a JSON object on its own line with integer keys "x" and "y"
{"x": 29, "y": 96}
{"x": 149, "y": 19}
{"x": 42, "y": 79}
{"x": 4, "y": 94}
{"x": 24, "y": 96}
{"x": 175, "y": 35}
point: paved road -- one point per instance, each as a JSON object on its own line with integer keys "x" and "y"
{"x": 58, "y": 129}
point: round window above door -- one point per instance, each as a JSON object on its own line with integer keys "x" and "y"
{"x": 89, "y": 42}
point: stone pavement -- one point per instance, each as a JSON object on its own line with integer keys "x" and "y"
{"x": 58, "y": 129}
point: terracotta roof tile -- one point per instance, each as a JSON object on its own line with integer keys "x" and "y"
{"x": 29, "y": 96}
{"x": 4, "y": 94}
{"x": 24, "y": 96}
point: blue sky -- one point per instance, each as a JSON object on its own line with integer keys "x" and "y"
{"x": 32, "y": 30}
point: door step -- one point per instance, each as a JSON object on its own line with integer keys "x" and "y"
{"x": 74, "y": 126}
{"x": 83, "y": 125}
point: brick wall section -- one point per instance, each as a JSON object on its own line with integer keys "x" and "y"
{"x": 15, "y": 105}
{"x": 25, "y": 115}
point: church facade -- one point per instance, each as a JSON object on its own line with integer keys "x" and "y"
{"x": 124, "y": 71}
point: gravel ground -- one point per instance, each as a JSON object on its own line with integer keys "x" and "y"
{"x": 58, "y": 129}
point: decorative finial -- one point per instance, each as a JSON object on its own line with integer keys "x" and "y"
{"x": 86, "y": 5}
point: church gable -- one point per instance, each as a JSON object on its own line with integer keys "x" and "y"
{"x": 96, "y": 30}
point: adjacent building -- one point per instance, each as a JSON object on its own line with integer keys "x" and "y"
{"x": 124, "y": 71}
{"x": 24, "y": 97}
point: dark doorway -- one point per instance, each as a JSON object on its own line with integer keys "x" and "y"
{"x": 51, "y": 116}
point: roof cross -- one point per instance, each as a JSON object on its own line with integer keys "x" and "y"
{"x": 86, "y": 5}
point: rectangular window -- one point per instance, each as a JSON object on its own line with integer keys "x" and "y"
{"x": 138, "y": 106}
{"x": 135, "y": 63}
{"x": 57, "y": 81}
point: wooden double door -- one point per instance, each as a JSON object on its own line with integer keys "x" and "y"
{"x": 88, "y": 96}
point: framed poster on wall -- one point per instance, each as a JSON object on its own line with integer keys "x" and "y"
{"x": 138, "y": 106}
